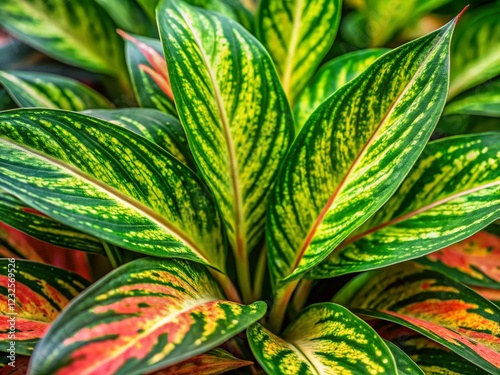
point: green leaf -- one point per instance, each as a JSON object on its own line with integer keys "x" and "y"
{"x": 473, "y": 261}
{"x": 40, "y": 293}
{"x": 452, "y": 192}
{"x": 233, "y": 9}
{"x": 129, "y": 16}
{"x": 149, "y": 7}
{"x": 297, "y": 34}
{"x": 24, "y": 218}
{"x": 484, "y": 100}
{"x": 160, "y": 128}
{"x": 35, "y": 89}
{"x": 143, "y": 316}
{"x": 354, "y": 151}
{"x": 148, "y": 73}
{"x": 324, "y": 339}
{"x": 475, "y": 51}
{"x": 332, "y": 76}
{"x": 405, "y": 364}
{"x": 213, "y": 362}
{"x": 108, "y": 182}
{"x": 432, "y": 305}
{"x": 235, "y": 113}
{"x": 13, "y": 244}
{"x": 76, "y": 32}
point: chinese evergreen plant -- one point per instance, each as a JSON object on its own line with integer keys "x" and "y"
{"x": 264, "y": 188}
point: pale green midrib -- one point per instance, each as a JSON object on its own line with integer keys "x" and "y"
{"x": 108, "y": 190}
{"x": 297, "y": 348}
{"x": 287, "y": 73}
{"x": 64, "y": 31}
{"x": 240, "y": 232}
{"x": 316, "y": 224}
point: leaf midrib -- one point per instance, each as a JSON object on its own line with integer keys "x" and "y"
{"x": 115, "y": 193}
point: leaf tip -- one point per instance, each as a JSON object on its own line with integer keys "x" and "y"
{"x": 457, "y": 18}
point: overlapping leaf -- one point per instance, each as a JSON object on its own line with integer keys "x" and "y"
{"x": 433, "y": 305}
{"x": 233, "y": 9}
{"x": 35, "y": 89}
{"x": 452, "y": 192}
{"x": 76, "y": 32}
{"x": 145, "y": 315}
{"x": 354, "y": 151}
{"x": 333, "y": 75}
{"x": 297, "y": 34}
{"x": 324, "y": 339}
{"x": 213, "y": 362}
{"x": 475, "y": 55}
{"x": 404, "y": 364}
{"x": 160, "y": 128}
{"x": 109, "y": 182}
{"x": 473, "y": 261}
{"x": 235, "y": 113}
{"x": 36, "y": 294}
{"x": 13, "y": 245}
{"x": 130, "y": 16}
{"x": 484, "y": 100}
{"x": 148, "y": 73}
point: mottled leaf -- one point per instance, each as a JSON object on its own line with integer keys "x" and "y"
{"x": 108, "y": 182}
{"x": 297, "y": 34}
{"x": 324, "y": 339}
{"x": 35, "y": 89}
{"x": 145, "y": 315}
{"x": 452, "y": 192}
{"x": 36, "y": 293}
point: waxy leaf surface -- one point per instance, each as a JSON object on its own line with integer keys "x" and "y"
{"x": 35, "y": 89}
{"x": 324, "y": 339}
{"x": 354, "y": 151}
{"x": 233, "y": 109}
{"x": 36, "y": 294}
{"x": 143, "y": 316}
{"x": 297, "y": 34}
{"x": 431, "y": 304}
{"x": 108, "y": 182}
{"x": 452, "y": 192}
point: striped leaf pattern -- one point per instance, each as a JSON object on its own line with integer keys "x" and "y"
{"x": 483, "y": 100}
{"x": 233, "y": 9}
{"x": 160, "y": 128}
{"x": 324, "y": 339}
{"x": 354, "y": 151}
{"x": 332, "y": 76}
{"x": 37, "y": 294}
{"x": 35, "y": 89}
{"x": 475, "y": 53}
{"x": 473, "y": 261}
{"x": 235, "y": 113}
{"x": 297, "y": 34}
{"x": 452, "y": 192}
{"x": 13, "y": 245}
{"x": 143, "y": 316}
{"x": 108, "y": 182}
{"x": 76, "y": 32}
{"x": 213, "y": 362}
{"x": 148, "y": 73}
{"x": 404, "y": 363}
{"x": 433, "y": 305}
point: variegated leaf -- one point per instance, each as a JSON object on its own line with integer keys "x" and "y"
{"x": 233, "y": 9}
{"x": 160, "y": 128}
{"x": 483, "y": 100}
{"x": 324, "y": 339}
{"x": 475, "y": 53}
{"x": 36, "y": 293}
{"x": 354, "y": 151}
{"x": 452, "y": 192}
{"x": 148, "y": 73}
{"x": 332, "y": 76}
{"x": 75, "y": 32}
{"x": 108, "y": 182}
{"x": 213, "y": 362}
{"x": 297, "y": 34}
{"x": 14, "y": 245}
{"x": 473, "y": 261}
{"x": 145, "y": 315}
{"x": 35, "y": 89}
{"x": 22, "y": 217}
{"x": 433, "y": 305}
{"x": 404, "y": 363}
{"x": 234, "y": 111}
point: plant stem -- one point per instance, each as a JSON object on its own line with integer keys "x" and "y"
{"x": 300, "y": 297}
{"x": 227, "y": 285}
{"x": 259, "y": 273}
{"x": 279, "y": 308}
{"x": 243, "y": 271}
{"x": 113, "y": 254}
